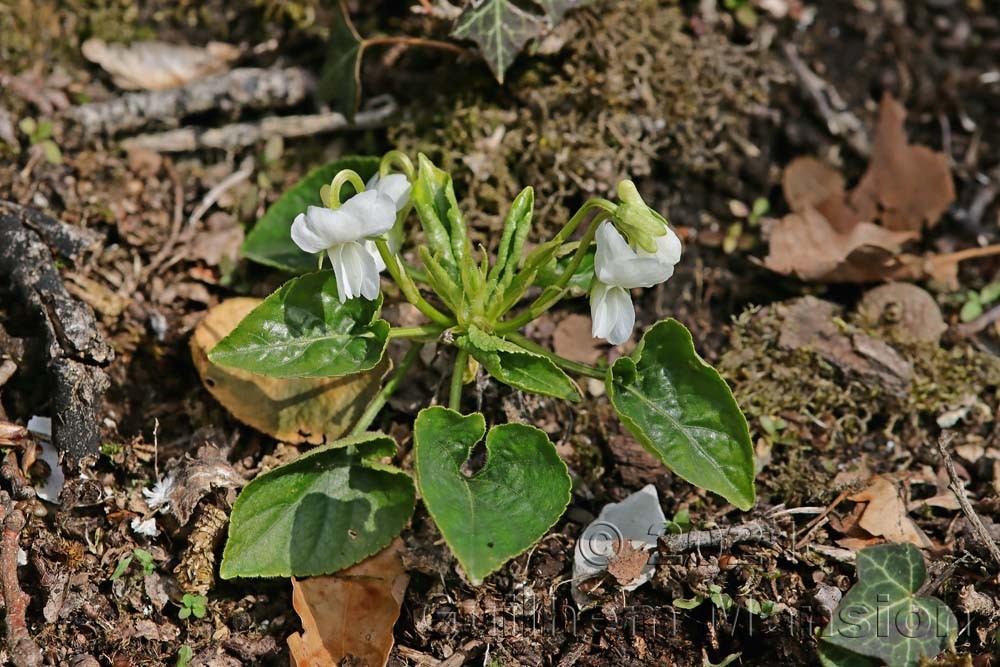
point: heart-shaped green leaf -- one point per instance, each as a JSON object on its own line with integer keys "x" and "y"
{"x": 682, "y": 411}
{"x": 882, "y": 617}
{"x": 326, "y": 510}
{"x": 303, "y": 330}
{"x": 491, "y": 516}
{"x": 515, "y": 366}
{"x": 270, "y": 241}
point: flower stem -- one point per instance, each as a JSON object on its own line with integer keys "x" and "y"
{"x": 401, "y": 160}
{"x": 423, "y": 331}
{"x": 366, "y": 419}
{"x": 409, "y": 288}
{"x": 554, "y": 293}
{"x": 457, "y": 376}
{"x": 562, "y": 362}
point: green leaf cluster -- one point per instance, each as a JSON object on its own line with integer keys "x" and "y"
{"x": 341, "y": 503}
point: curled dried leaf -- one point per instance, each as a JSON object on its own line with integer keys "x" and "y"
{"x": 312, "y": 410}
{"x": 156, "y": 65}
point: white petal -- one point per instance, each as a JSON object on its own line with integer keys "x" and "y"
{"x": 355, "y": 270}
{"x": 668, "y": 248}
{"x": 394, "y": 186}
{"x": 305, "y": 237}
{"x": 375, "y": 211}
{"x": 376, "y": 255}
{"x": 612, "y": 313}
{"x": 615, "y": 263}
{"x": 334, "y": 226}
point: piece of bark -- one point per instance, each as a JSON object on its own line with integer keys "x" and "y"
{"x": 243, "y": 88}
{"x": 75, "y": 349}
{"x": 23, "y": 650}
{"x": 809, "y": 322}
{"x": 239, "y": 135}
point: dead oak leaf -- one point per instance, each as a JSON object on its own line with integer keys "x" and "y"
{"x": 905, "y": 186}
{"x": 312, "y": 410}
{"x": 348, "y": 617}
{"x": 885, "y": 514}
{"x": 807, "y": 245}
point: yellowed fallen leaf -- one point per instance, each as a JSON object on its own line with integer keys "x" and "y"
{"x": 158, "y": 65}
{"x": 351, "y": 613}
{"x": 312, "y": 410}
{"x": 885, "y": 514}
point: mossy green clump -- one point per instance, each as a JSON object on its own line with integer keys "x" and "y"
{"x": 630, "y": 89}
{"x": 828, "y": 416}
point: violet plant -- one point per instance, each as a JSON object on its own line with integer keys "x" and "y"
{"x": 340, "y": 503}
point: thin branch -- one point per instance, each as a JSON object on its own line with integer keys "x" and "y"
{"x": 24, "y": 652}
{"x": 958, "y": 488}
{"x": 240, "y": 135}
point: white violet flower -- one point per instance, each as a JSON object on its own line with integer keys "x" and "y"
{"x": 394, "y": 186}
{"x": 617, "y": 269}
{"x": 159, "y": 495}
{"x": 344, "y": 234}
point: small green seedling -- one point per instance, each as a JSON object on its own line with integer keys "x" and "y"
{"x": 184, "y": 656}
{"x": 976, "y": 301}
{"x": 40, "y": 134}
{"x": 341, "y": 502}
{"x": 140, "y": 556}
{"x": 193, "y": 605}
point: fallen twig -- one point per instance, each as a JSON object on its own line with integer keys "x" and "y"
{"x": 829, "y": 105}
{"x": 24, "y": 652}
{"x": 75, "y": 349}
{"x": 752, "y": 531}
{"x": 968, "y": 329}
{"x": 958, "y": 488}
{"x": 239, "y": 135}
{"x": 241, "y": 88}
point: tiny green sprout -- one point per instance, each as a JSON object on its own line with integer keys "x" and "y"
{"x": 193, "y": 605}
{"x": 351, "y": 219}
{"x": 761, "y": 207}
{"x": 110, "y": 449}
{"x": 140, "y": 556}
{"x": 680, "y": 523}
{"x": 184, "y": 656}
{"x": 40, "y": 134}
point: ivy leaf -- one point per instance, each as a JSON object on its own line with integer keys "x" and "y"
{"x": 270, "y": 241}
{"x": 882, "y": 617}
{"x": 556, "y": 9}
{"x": 340, "y": 78}
{"x": 328, "y": 509}
{"x": 500, "y": 29}
{"x": 499, "y": 512}
{"x": 303, "y": 330}
{"x": 682, "y": 411}
{"x": 515, "y": 366}
{"x": 834, "y": 656}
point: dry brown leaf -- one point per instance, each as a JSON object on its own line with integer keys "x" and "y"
{"x": 157, "y": 65}
{"x": 809, "y": 183}
{"x": 312, "y": 410}
{"x": 807, "y": 245}
{"x": 351, "y": 613}
{"x": 628, "y": 562}
{"x": 885, "y": 514}
{"x": 572, "y": 339}
{"x": 905, "y": 186}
